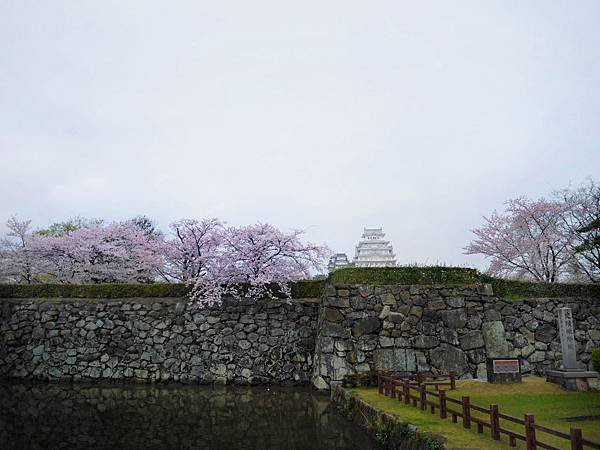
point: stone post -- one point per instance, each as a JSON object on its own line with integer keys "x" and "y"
{"x": 566, "y": 328}
{"x": 570, "y": 375}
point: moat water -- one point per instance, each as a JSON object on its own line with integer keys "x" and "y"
{"x": 75, "y": 416}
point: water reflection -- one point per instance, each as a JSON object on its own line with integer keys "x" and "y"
{"x": 55, "y": 416}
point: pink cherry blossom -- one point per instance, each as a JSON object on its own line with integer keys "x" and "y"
{"x": 526, "y": 241}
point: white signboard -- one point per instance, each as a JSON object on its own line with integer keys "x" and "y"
{"x": 506, "y": 365}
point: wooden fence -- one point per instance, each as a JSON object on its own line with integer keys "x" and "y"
{"x": 437, "y": 401}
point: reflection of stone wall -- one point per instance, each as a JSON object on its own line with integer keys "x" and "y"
{"x": 76, "y": 416}
{"x": 441, "y": 328}
{"x": 352, "y": 329}
{"x": 157, "y": 340}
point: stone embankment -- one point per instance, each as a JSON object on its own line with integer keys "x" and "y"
{"x": 387, "y": 428}
{"x": 149, "y": 340}
{"x": 442, "y": 328}
{"x": 350, "y": 329}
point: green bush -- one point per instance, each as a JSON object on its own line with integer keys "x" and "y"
{"x": 300, "y": 289}
{"x": 307, "y": 288}
{"x": 502, "y": 288}
{"x": 596, "y": 359}
{"x": 405, "y": 275}
{"x": 514, "y": 289}
{"x": 108, "y": 290}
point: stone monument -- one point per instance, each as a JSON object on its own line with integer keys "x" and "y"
{"x": 503, "y": 370}
{"x": 571, "y": 375}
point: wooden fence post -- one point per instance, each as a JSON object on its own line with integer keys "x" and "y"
{"x": 393, "y": 383}
{"x": 529, "y": 432}
{"x": 423, "y": 395}
{"x": 576, "y": 439}
{"x": 443, "y": 412}
{"x": 466, "y": 409}
{"x": 494, "y": 422}
{"x": 452, "y": 380}
{"x": 406, "y": 391}
{"x": 379, "y": 384}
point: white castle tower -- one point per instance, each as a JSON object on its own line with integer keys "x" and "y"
{"x": 373, "y": 251}
{"x": 338, "y": 261}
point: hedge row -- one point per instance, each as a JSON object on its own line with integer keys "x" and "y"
{"x": 514, "y": 289}
{"x": 461, "y": 275}
{"x": 300, "y": 289}
{"x": 313, "y": 288}
{"x": 108, "y": 290}
{"x": 405, "y": 275}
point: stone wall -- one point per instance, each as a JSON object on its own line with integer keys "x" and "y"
{"x": 149, "y": 340}
{"x": 351, "y": 329}
{"x": 441, "y": 328}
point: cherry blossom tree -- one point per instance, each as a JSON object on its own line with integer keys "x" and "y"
{"x": 527, "y": 241}
{"x": 90, "y": 253}
{"x": 253, "y": 260}
{"x": 67, "y": 226}
{"x": 18, "y": 261}
{"x": 118, "y": 252}
{"x": 217, "y": 261}
{"x": 581, "y": 220}
{"x": 193, "y": 249}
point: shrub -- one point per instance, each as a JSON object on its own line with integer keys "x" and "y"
{"x": 503, "y": 288}
{"x": 300, "y": 289}
{"x": 405, "y": 275}
{"x": 596, "y": 359}
{"x": 524, "y": 289}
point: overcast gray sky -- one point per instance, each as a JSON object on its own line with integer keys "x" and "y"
{"x": 323, "y": 115}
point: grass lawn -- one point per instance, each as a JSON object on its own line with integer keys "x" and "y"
{"x": 551, "y": 406}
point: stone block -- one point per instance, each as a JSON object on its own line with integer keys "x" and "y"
{"x": 446, "y": 358}
{"x": 337, "y": 302}
{"x": 395, "y": 317}
{"x": 386, "y": 341}
{"x": 492, "y": 315}
{"x": 456, "y": 318}
{"x": 385, "y": 312}
{"x": 334, "y": 330}
{"x": 449, "y": 336}
{"x": 358, "y": 303}
{"x": 435, "y": 305}
{"x": 333, "y": 315}
{"x": 455, "y": 302}
{"x": 367, "y": 343}
{"x": 423, "y": 341}
{"x": 494, "y": 338}
{"x": 388, "y": 299}
{"x": 471, "y": 340}
{"x": 366, "y": 326}
{"x": 416, "y": 311}
{"x": 546, "y": 333}
{"x": 537, "y": 356}
{"x": 397, "y": 359}
{"x": 406, "y": 326}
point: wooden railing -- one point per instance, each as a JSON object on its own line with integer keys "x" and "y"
{"x": 409, "y": 392}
